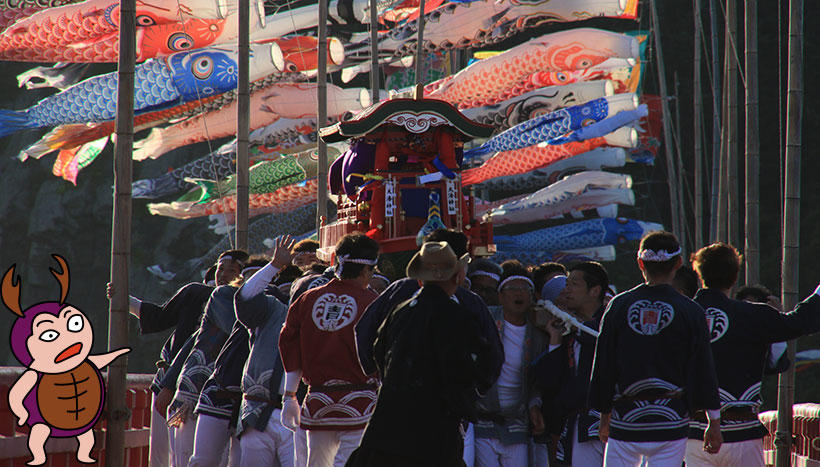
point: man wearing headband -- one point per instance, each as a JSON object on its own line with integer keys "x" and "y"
{"x": 484, "y": 277}
{"x": 318, "y": 346}
{"x": 653, "y": 366}
{"x": 181, "y": 312}
{"x": 304, "y": 253}
{"x": 563, "y": 371}
{"x": 741, "y": 334}
{"x": 430, "y": 351}
{"x": 505, "y": 413}
{"x": 202, "y": 432}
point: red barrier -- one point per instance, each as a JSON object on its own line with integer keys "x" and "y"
{"x": 806, "y": 435}
{"x": 61, "y": 452}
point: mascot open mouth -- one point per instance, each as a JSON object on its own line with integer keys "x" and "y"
{"x": 69, "y": 352}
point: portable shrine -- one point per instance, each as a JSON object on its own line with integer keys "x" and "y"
{"x": 400, "y": 178}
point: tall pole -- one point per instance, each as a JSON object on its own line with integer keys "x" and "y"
{"x": 374, "y": 51}
{"x": 679, "y": 169}
{"x": 723, "y": 162}
{"x": 733, "y": 218}
{"x": 243, "y": 118}
{"x": 751, "y": 251}
{"x": 118, "y": 413}
{"x": 716, "y": 113}
{"x": 667, "y": 127}
{"x": 419, "y": 54}
{"x": 321, "y": 196}
{"x": 791, "y": 222}
{"x": 698, "y": 130}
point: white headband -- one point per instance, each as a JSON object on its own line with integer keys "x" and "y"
{"x": 491, "y": 275}
{"x": 657, "y": 256}
{"x": 384, "y": 278}
{"x": 348, "y": 259}
{"x": 248, "y": 271}
{"x": 512, "y": 278}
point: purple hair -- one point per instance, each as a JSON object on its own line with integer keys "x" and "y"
{"x": 21, "y": 329}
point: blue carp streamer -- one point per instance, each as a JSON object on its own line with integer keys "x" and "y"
{"x": 584, "y": 234}
{"x": 158, "y": 84}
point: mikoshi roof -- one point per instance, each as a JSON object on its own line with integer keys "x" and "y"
{"x": 415, "y": 115}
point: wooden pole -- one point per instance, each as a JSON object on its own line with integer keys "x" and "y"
{"x": 374, "y": 51}
{"x": 667, "y": 127}
{"x": 716, "y": 124}
{"x": 733, "y": 218}
{"x": 751, "y": 251}
{"x": 118, "y": 413}
{"x": 419, "y": 68}
{"x": 243, "y": 119}
{"x": 791, "y": 222}
{"x": 321, "y": 196}
{"x": 698, "y": 129}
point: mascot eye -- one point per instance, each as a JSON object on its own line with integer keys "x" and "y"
{"x": 49, "y": 336}
{"x": 145, "y": 20}
{"x": 75, "y": 323}
{"x": 180, "y": 41}
{"x": 202, "y": 67}
{"x": 560, "y": 77}
{"x": 585, "y": 63}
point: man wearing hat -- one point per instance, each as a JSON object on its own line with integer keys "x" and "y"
{"x": 318, "y": 346}
{"x": 429, "y": 352}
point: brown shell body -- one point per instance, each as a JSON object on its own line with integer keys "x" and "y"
{"x": 70, "y": 400}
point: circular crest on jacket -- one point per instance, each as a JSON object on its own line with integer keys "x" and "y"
{"x": 435, "y": 261}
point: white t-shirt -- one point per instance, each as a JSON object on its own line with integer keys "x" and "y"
{"x": 510, "y": 380}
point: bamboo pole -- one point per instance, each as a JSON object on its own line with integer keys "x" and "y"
{"x": 667, "y": 127}
{"x": 374, "y": 51}
{"x": 419, "y": 68}
{"x": 716, "y": 124}
{"x": 723, "y": 164}
{"x": 733, "y": 218}
{"x": 321, "y": 196}
{"x": 680, "y": 171}
{"x": 698, "y": 130}
{"x": 243, "y": 118}
{"x": 751, "y": 252}
{"x": 791, "y": 222}
{"x": 118, "y": 413}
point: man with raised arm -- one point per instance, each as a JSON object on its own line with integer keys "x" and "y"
{"x": 741, "y": 334}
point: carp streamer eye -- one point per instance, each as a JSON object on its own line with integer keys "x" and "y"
{"x": 202, "y": 67}
{"x": 49, "y": 336}
{"x": 145, "y": 20}
{"x": 180, "y": 41}
{"x": 76, "y": 323}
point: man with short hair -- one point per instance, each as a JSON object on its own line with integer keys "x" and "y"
{"x": 317, "y": 345}
{"x": 261, "y": 313}
{"x": 741, "y": 334}
{"x": 505, "y": 413}
{"x": 653, "y": 366}
{"x": 484, "y": 276}
{"x": 563, "y": 372}
{"x": 429, "y": 350}
{"x": 304, "y": 253}
{"x": 181, "y": 312}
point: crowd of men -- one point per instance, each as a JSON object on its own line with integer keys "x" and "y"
{"x": 283, "y": 360}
